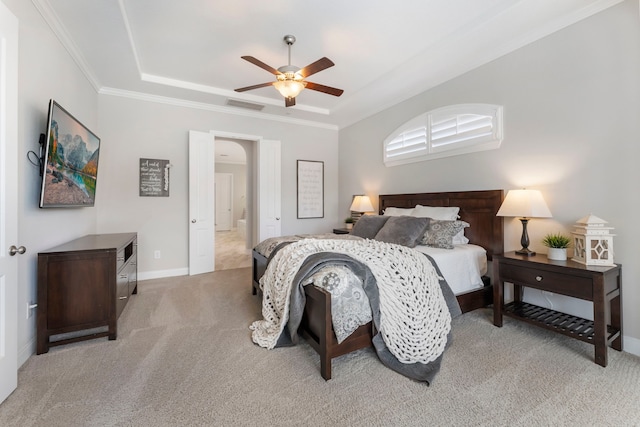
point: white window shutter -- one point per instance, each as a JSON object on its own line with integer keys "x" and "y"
{"x": 407, "y": 143}
{"x": 447, "y": 131}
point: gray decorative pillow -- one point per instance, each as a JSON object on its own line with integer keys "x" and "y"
{"x": 368, "y": 226}
{"x": 403, "y": 230}
{"x": 440, "y": 233}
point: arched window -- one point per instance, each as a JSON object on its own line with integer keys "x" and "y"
{"x": 447, "y": 131}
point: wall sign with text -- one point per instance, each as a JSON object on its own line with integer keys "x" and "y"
{"x": 310, "y": 189}
{"x": 154, "y": 178}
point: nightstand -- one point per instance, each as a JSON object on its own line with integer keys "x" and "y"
{"x": 599, "y": 284}
{"x": 341, "y": 231}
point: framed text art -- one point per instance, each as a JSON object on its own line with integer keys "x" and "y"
{"x": 310, "y": 189}
{"x": 154, "y": 178}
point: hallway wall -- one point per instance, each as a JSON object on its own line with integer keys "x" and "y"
{"x": 239, "y": 173}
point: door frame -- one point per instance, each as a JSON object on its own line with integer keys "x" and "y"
{"x": 254, "y": 220}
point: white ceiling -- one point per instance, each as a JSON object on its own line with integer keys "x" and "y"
{"x": 189, "y": 51}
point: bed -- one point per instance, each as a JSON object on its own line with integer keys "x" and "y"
{"x": 478, "y": 208}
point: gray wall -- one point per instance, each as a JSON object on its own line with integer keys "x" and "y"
{"x": 239, "y": 197}
{"x": 161, "y": 131}
{"x": 45, "y": 71}
{"x": 571, "y": 108}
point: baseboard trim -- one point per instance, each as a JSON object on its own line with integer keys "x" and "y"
{"x": 159, "y": 274}
{"x": 27, "y": 351}
{"x": 631, "y": 345}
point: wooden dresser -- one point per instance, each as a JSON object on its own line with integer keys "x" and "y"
{"x": 83, "y": 287}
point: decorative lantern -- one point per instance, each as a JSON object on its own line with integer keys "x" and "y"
{"x": 592, "y": 242}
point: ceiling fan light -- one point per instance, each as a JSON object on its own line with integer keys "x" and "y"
{"x": 289, "y": 88}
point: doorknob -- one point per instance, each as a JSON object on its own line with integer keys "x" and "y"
{"x": 193, "y": 221}
{"x": 13, "y": 250}
{"x": 277, "y": 219}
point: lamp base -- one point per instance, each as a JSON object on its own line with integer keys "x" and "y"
{"x": 356, "y": 216}
{"x": 525, "y": 252}
{"x": 524, "y": 240}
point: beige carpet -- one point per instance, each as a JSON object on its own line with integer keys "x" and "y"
{"x": 184, "y": 357}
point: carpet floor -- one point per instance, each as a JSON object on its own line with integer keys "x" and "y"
{"x": 184, "y": 357}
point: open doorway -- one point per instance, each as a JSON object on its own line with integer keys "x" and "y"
{"x": 263, "y": 198}
{"x": 231, "y": 207}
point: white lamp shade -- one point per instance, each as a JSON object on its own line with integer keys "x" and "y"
{"x": 525, "y": 204}
{"x": 361, "y": 204}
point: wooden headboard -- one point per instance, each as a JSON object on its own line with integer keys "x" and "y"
{"x": 478, "y": 208}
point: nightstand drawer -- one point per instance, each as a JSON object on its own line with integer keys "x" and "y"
{"x": 578, "y": 287}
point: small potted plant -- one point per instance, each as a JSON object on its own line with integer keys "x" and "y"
{"x": 557, "y": 244}
{"x": 348, "y": 223}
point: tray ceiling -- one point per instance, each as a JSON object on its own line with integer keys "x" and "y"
{"x": 189, "y": 51}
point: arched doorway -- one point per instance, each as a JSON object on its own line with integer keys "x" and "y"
{"x": 232, "y": 190}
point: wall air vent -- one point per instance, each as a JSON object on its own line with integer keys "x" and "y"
{"x": 244, "y": 104}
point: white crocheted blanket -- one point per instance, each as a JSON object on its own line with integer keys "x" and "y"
{"x": 414, "y": 318}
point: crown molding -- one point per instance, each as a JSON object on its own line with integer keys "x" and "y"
{"x": 52, "y": 19}
{"x": 210, "y": 107}
{"x": 227, "y": 93}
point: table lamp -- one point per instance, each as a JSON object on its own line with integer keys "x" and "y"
{"x": 360, "y": 205}
{"x": 524, "y": 204}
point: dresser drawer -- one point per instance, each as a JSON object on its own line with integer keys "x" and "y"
{"x": 122, "y": 291}
{"x": 125, "y": 254}
{"x": 120, "y": 259}
{"x": 578, "y": 287}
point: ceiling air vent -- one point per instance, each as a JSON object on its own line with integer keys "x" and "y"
{"x": 244, "y": 104}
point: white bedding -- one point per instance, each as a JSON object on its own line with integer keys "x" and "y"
{"x": 462, "y": 267}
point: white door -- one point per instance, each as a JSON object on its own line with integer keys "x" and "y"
{"x": 269, "y": 188}
{"x": 224, "y": 201}
{"x": 8, "y": 202}
{"x": 201, "y": 202}
{"x": 201, "y": 193}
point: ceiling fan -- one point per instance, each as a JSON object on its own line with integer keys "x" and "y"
{"x": 290, "y": 80}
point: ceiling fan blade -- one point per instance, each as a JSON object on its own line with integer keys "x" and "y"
{"x": 261, "y": 64}
{"x": 244, "y": 89}
{"x": 325, "y": 89}
{"x": 289, "y": 102}
{"x": 321, "y": 64}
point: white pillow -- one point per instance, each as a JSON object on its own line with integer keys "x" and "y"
{"x": 398, "y": 212}
{"x": 448, "y": 213}
{"x": 460, "y": 239}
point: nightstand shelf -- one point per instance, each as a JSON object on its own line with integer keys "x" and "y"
{"x": 566, "y": 324}
{"x": 601, "y": 285}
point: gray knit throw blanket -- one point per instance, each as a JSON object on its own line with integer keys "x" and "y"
{"x": 414, "y": 318}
